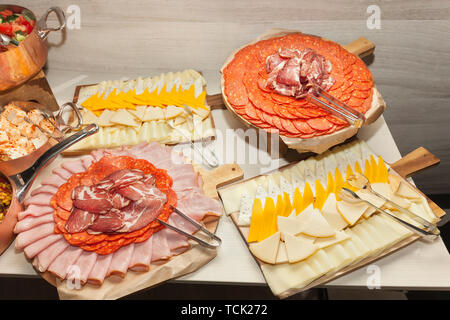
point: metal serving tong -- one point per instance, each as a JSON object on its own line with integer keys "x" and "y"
{"x": 425, "y": 228}
{"x": 336, "y": 107}
{"x": 5, "y": 40}
{"x": 190, "y": 236}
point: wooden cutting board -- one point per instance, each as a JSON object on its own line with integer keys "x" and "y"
{"x": 414, "y": 162}
{"x": 189, "y": 261}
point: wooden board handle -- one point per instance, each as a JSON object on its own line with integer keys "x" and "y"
{"x": 215, "y": 101}
{"x": 361, "y": 47}
{"x": 225, "y": 174}
{"x": 415, "y": 162}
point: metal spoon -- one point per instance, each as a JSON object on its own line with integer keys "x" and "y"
{"x": 352, "y": 197}
{"x": 360, "y": 181}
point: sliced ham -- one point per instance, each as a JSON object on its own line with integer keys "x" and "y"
{"x": 85, "y": 263}
{"x": 40, "y": 199}
{"x": 101, "y": 267}
{"x": 198, "y": 205}
{"x": 74, "y": 166}
{"x": 54, "y": 180}
{"x": 27, "y": 237}
{"x": 121, "y": 260}
{"x": 46, "y": 256}
{"x": 87, "y": 161}
{"x": 32, "y": 222}
{"x": 175, "y": 240}
{"x": 160, "y": 249}
{"x": 64, "y": 262}
{"x": 121, "y": 178}
{"x": 44, "y": 189}
{"x": 36, "y": 247}
{"x": 35, "y": 211}
{"x": 140, "y": 260}
{"x": 63, "y": 173}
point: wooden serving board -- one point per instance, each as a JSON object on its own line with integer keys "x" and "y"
{"x": 189, "y": 261}
{"x": 416, "y": 161}
{"x": 361, "y": 47}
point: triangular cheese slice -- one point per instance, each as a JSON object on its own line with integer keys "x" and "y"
{"x": 318, "y": 227}
{"x": 351, "y": 212}
{"x": 282, "y": 254}
{"x": 139, "y": 112}
{"x": 305, "y": 215}
{"x": 104, "y": 120}
{"x": 289, "y": 225}
{"x": 405, "y": 191}
{"x": 267, "y": 249}
{"x": 125, "y": 118}
{"x": 298, "y": 248}
{"x": 370, "y": 197}
{"x": 88, "y": 116}
{"x": 172, "y": 111}
{"x": 326, "y": 242}
{"x": 394, "y": 182}
{"x": 331, "y": 214}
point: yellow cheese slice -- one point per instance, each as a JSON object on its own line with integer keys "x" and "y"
{"x": 351, "y": 212}
{"x": 338, "y": 182}
{"x": 317, "y": 226}
{"x": 297, "y": 202}
{"x": 373, "y": 169}
{"x": 358, "y": 168}
{"x": 269, "y": 219}
{"x": 125, "y": 118}
{"x": 330, "y": 185}
{"x": 307, "y": 197}
{"x": 320, "y": 196}
{"x": 298, "y": 249}
{"x": 382, "y": 171}
{"x": 394, "y": 182}
{"x": 256, "y": 221}
{"x": 267, "y": 249}
{"x": 331, "y": 214}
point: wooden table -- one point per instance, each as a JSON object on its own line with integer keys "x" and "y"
{"x": 419, "y": 266}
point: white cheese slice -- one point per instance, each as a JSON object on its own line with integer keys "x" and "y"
{"x": 139, "y": 112}
{"x": 331, "y": 214}
{"x": 298, "y": 249}
{"x": 173, "y": 111}
{"x": 320, "y": 262}
{"x": 282, "y": 254}
{"x": 273, "y": 188}
{"x": 153, "y": 114}
{"x": 340, "y": 236}
{"x": 321, "y": 175}
{"x": 125, "y": 118}
{"x": 229, "y": 196}
{"x": 317, "y": 226}
{"x": 305, "y": 216}
{"x": 245, "y": 212}
{"x": 330, "y": 163}
{"x": 405, "y": 191}
{"x": 338, "y": 256}
{"x": 297, "y": 181}
{"x": 342, "y": 160}
{"x": 358, "y": 243}
{"x": 88, "y": 116}
{"x": 289, "y": 225}
{"x": 351, "y": 212}
{"x": 202, "y": 113}
{"x": 267, "y": 249}
{"x": 104, "y": 120}
{"x": 286, "y": 187}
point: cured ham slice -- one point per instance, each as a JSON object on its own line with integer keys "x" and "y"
{"x": 85, "y": 264}
{"x": 32, "y": 222}
{"x": 64, "y": 262}
{"x": 101, "y": 267}
{"x": 44, "y": 189}
{"x": 79, "y": 220}
{"x": 27, "y": 237}
{"x": 46, "y": 256}
{"x": 107, "y": 223}
{"x": 175, "y": 240}
{"x": 197, "y": 205}
{"x": 87, "y": 161}
{"x": 121, "y": 260}
{"x": 35, "y": 211}
{"x": 91, "y": 199}
{"x": 36, "y": 247}
{"x": 160, "y": 249}
{"x": 40, "y": 199}
{"x": 63, "y": 173}
{"x": 140, "y": 260}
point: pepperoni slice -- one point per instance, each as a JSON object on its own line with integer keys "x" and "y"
{"x": 236, "y": 94}
{"x": 319, "y": 124}
{"x": 303, "y": 127}
{"x": 281, "y": 99}
{"x": 289, "y": 126}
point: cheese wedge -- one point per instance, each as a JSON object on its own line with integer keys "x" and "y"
{"x": 370, "y": 197}
{"x": 351, "y": 212}
{"x": 104, "y": 120}
{"x": 282, "y": 254}
{"x": 289, "y": 225}
{"x": 139, "y": 112}
{"x": 88, "y": 117}
{"x": 267, "y": 249}
{"x": 173, "y": 111}
{"x": 298, "y": 249}
{"x": 125, "y": 118}
{"x": 405, "y": 191}
{"x": 305, "y": 215}
{"x": 317, "y": 226}
{"x": 340, "y": 236}
{"x": 394, "y": 182}
{"x": 331, "y": 214}
{"x": 153, "y": 113}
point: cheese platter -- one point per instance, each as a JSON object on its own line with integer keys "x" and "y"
{"x": 111, "y": 263}
{"x": 302, "y": 234}
{"x": 170, "y": 108}
{"x": 264, "y": 85}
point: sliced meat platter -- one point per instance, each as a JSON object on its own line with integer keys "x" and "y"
{"x": 100, "y": 212}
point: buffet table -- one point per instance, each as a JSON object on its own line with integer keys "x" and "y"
{"x": 421, "y": 265}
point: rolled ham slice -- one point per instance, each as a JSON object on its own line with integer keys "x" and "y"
{"x": 40, "y": 199}
{"x": 121, "y": 260}
{"x": 198, "y": 205}
{"x": 64, "y": 262}
{"x": 85, "y": 263}
{"x": 87, "y": 161}
{"x": 48, "y": 255}
{"x": 74, "y": 166}
{"x": 32, "y": 222}
{"x": 160, "y": 249}
{"x": 27, "y": 237}
{"x": 63, "y": 173}
{"x": 36, "y": 247}
{"x": 140, "y": 260}
{"x": 101, "y": 267}
{"x": 54, "y": 180}
{"x": 35, "y": 211}
{"x": 44, "y": 189}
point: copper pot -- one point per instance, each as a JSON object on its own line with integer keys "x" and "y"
{"x": 20, "y": 63}
{"x": 22, "y": 171}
